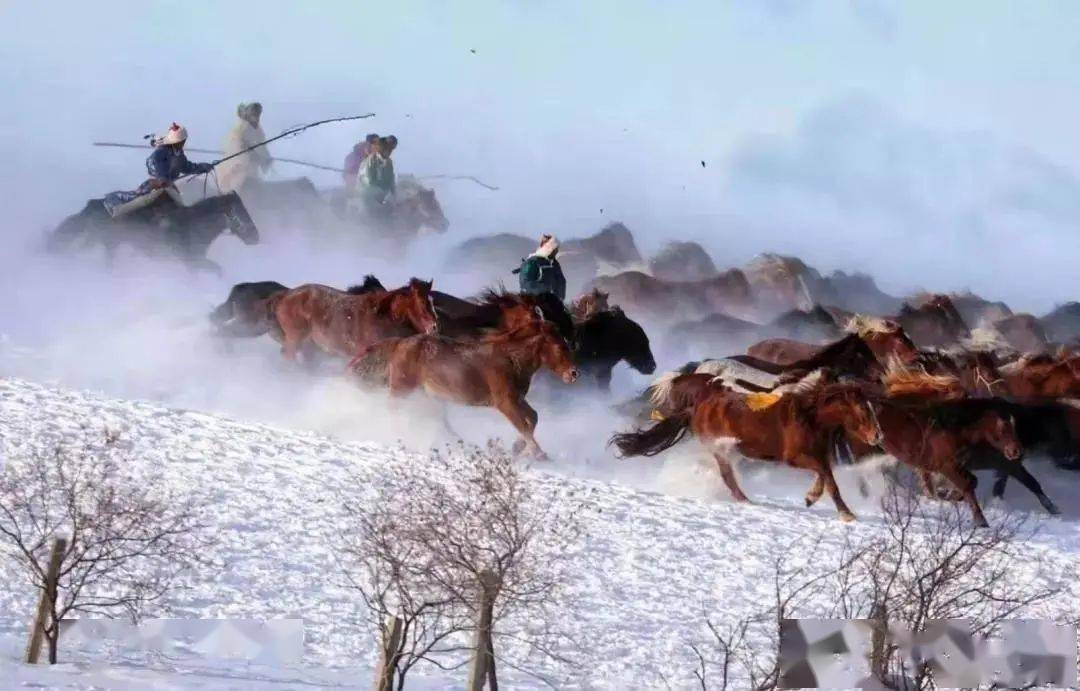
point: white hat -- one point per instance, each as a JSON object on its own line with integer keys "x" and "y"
{"x": 548, "y": 245}
{"x": 175, "y": 135}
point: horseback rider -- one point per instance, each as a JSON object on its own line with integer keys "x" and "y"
{"x": 375, "y": 181}
{"x": 164, "y": 166}
{"x": 540, "y": 272}
{"x": 246, "y": 133}
{"x": 356, "y": 157}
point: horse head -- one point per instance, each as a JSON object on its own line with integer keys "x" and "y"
{"x": 997, "y": 428}
{"x": 632, "y": 340}
{"x": 554, "y": 351}
{"x": 420, "y": 211}
{"x": 414, "y": 305}
{"x": 850, "y": 406}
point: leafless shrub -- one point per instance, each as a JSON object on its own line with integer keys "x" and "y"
{"x": 429, "y": 536}
{"x": 128, "y": 540}
{"x": 929, "y": 562}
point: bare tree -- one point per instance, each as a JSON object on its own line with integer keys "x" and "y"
{"x": 431, "y": 537}
{"x": 128, "y": 539}
{"x": 930, "y": 562}
{"x": 745, "y": 654}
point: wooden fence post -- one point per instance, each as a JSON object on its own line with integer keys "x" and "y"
{"x": 484, "y": 652}
{"x": 391, "y": 640}
{"x": 48, "y": 596}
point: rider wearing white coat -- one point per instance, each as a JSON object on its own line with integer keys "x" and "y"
{"x": 234, "y": 173}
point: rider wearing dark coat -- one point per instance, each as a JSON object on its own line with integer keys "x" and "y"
{"x": 164, "y": 166}
{"x": 540, "y": 272}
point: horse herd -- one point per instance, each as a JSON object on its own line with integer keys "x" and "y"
{"x": 943, "y": 412}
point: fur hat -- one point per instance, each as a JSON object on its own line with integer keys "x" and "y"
{"x": 175, "y": 135}
{"x": 549, "y": 245}
{"x": 247, "y": 111}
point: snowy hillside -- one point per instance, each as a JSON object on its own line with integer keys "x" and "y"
{"x": 651, "y": 566}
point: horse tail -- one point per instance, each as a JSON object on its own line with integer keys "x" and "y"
{"x": 653, "y": 440}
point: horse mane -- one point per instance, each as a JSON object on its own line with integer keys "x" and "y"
{"x": 384, "y": 301}
{"x": 370, "y": 285}
{"x": 954, "y": 415}
{"x": 864, "y": 324}
{"x": 900, "y": 380}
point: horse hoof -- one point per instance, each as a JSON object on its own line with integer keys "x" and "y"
{"x": 847, "y": 517}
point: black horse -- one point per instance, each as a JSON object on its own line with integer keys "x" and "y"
{"x": 182, "y": 232}
{"x": 607, "y": 338}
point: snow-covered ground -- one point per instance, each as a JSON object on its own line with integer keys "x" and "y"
{"x": 651, "y": 565}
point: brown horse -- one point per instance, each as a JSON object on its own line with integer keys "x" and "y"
{"x": 797, "y": 428}
{"x": 494, "y": 370}
{"x": 588, "y": 305}
{"x": 343, "y": 324}
{"x": 1042, "y": 376}
{"x": 936, "y": 438}
{"x": 885, "y": 339}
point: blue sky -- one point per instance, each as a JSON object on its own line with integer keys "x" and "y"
{"x": 932, "y": 144}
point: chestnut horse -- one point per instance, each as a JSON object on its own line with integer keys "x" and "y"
{"x": 342, "y": 323}
{"x": 493, "y": 370}
{"x": 937, "y": 438}
{"x": 798, "y": 429}
{"x": 1043, "y": 377}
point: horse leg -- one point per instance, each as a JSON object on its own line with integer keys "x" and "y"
{"x": 1028, "y": 480}
{"x": 728, "y": 474}
{"x": 815, "y": 491}
{"x": 522, "y": 416}
{"x": 825, "y": 476}
{"x": 965, "y": 482}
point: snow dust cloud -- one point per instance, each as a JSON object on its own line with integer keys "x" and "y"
{"x": 924, "y": 178}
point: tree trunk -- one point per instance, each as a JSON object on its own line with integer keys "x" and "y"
{"x": 480, "y": 667}
{"x": 391, "y": 641}
{"x": 47, "y": 608}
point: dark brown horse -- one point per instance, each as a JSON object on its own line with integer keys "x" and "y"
{"x": 499, "y": 310}
{"x": 343, "y": 324}
{"x": 883, "y": 339}
{"x": 935, "y": 323}
{"x": 798, "y": 429}
{"x": 936, "y": 439}
{"x": 494, "y": 370}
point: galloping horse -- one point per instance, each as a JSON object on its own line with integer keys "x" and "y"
{"x": 494, "y": 370}
{"x": 183, "y": 232}
{"x": 605, "y": 339}
{"x": 344, "y": 324}
{"x": 244, "y": 313}
{"x": 798, "y": 429}
{"x": 412, "y": 211}
{"x": 936, "y": 438}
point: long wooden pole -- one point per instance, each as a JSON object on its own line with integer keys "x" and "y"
{"x": 48, "y": 596}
